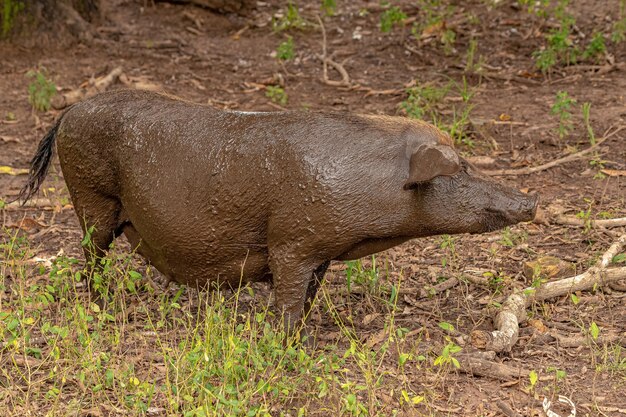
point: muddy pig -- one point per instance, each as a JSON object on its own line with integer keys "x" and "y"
{"x": 228, "y": 197}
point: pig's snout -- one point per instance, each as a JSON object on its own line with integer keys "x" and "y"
{"x": 511, "y": 209}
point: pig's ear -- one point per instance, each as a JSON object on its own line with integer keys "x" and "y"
{"x": 429, "y": 161}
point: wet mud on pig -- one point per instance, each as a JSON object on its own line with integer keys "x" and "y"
{"x": 211, "y": 196}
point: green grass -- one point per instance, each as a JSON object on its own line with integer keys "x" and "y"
{"x": 40, "y": 90}
{"x": 425, "y": 102}
{"x": 189, "y": 353}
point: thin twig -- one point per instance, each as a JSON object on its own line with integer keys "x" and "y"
{"x": 345, "y": 78}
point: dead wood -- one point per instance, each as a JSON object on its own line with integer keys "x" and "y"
{"x": 222, "y": 6}
{"x": 581, "y": 340}
{"x": 556, "y": 162}
{"x": 326, "y": 61}
{"x": 508, "y": 411}
{"x": 430, "y": 291}
{"x": 474, "y": 364}
{"x": 575, "y": 221}
{"x": 513, "y": 310}
{"x": 92, "y": 88}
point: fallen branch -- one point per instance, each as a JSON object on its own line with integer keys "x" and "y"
{"x": 551, "y": 164}
{"x": 476, "y": 365}
{"x": 345, "y": 78}
{"x": 575, "y": 221}
{"x": 431, "y": 291}
{"x": 513, "y": 310}
{"x": 92, "y": 88}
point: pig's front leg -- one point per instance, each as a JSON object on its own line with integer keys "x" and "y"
{"x": 294, "y": 283}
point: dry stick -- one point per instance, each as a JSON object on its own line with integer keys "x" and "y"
{"x": 345, "y": 78}
{"x": 98, "y": 86}
{"x": 569, "y": 158}
{"x": 575, "y": 221}
{"x": 508, "y": 411}
{"x": 513, "y": 310}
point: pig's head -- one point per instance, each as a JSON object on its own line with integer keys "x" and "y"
{"x": 453, "y": 197}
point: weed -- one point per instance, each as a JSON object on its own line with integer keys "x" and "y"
{"x": 329, "y": 7}
{"x": 40, "y": 90}
{"x": 277, "y": 94}
{"x": 561, "y": 108}
{"x": 512, "y": 239}
{"x": 390, "y": 18}
{"x": 422, "y": 99}
{"x": 537, "y": 7}
{"x": 448, "y": 243}
{"x": 597, "y": 163}
{"x": 586, "y": 118}
{"x": 533, "y": 378}
{"x": 290, "y": 20}
{"x": 560, "y": 48}
{"x": 446, "y": 358}
{"x": 596, "y": 48}
{"x": 422, "y": 102}
{"x": 618, "y": 35}
{"x": 585, "y": 216}
{"x": 286, "y": 51}
{"x": 473, "y": 65}
{"x": 448, "y": 37}
{"x": 356, "y": 273}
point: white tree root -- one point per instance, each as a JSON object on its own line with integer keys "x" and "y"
{"x": 513, "y": 311}
{"x": 92, "y": 88}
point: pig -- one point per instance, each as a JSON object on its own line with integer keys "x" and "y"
{"x": 228, "y": 197}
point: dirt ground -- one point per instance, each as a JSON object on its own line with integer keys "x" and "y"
{"x": 227, "y": 61}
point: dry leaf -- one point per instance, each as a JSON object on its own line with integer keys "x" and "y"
{"x": 614, "y": 172}
{"x": 12, "y": 171}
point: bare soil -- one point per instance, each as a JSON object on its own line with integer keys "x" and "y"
{"x": 227, "y": 60}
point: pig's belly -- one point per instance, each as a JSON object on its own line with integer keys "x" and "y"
{"x": 202, "y": 265}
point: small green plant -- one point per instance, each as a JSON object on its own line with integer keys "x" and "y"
{"x": 536, "y": 7}
{"x": 446, "y": 357}
{"x": 472, "y": 64}
{"x": 586, "y": 118}
{"x": 277, "y": 94}
{"x": 594, "y": 330}
{"x": 40, "y": 90}
{"x": 329, "y": 7}
{"x": 596, "y": 48}
{"x": 356, "y": 273}
{"x": 448, "y": 243}
{"x": 390, "y": 18}
{"x": 448, "y": 37}
{"x": 561, "y": 108}
{"x": 597, "y": 163}
{"x": 286, "y": 50}
{"x": 422, "y": 99}
{"x": 290, "y": 20}
{"x": 560, "y": 48}
{"x": 533, "y": 378}
{"x": 618, "y": 35}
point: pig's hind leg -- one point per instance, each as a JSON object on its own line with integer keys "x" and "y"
{"x": 99, "y": 219}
